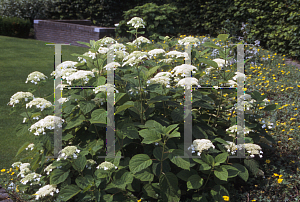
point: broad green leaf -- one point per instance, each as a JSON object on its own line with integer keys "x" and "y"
{"x": 168, "y": 184}
{"x": 75, "y": 122}
{"x": 221, "y": 141}
{"x": 156, "y": 167}
{"x": 150, "y": 136}
{"x": 119, "y": 96}
{"x": 144, "y": 176}
{"x": 218, "y": 192}
{"x": 68, "y": 192}
{"x": 221, "y": 173}
{"x": 194, "y": 182}
{"x": 158, "y": 99}
{"x": 99, "y": 116}
{"x": 211, "y": 45}
{"x": 79, "y": 163}
{"x": 177, "y": 114}
{"x": 101, "y": 81}
{"x": 243, "y": 172}
{"x": 185, "y": 174}
{"x": 208, "y": 62}
{"x": 252, "y": 165}
{"x": 170, "y": 128}
{"x": 23, "y": 129}
{"x": 203, "y": 165}
{"x": 157, "y": 152}
{"x": 269, "y": 107}
{"x": 221, "y": 158}
{"x": 86, "y": 107}
{"x": 139, "y": 162}
{"x": 25, "y": 145}
{"x": 178, "y": 161}
{"x": 232, "y": 171}
{"x": 125, "y": 106}
{"x": 125, "y": 179}
{"x": 208, "y": 159}
{"x": 84, "y": 181}
{"x": 58, "y": 176}
{"x": 150, "y": 191}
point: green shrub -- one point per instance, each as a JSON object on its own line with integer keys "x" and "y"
{"x": 160, "y": 20}
{"x": 15, "y": 27}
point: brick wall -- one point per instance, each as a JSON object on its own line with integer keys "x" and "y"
{"x": 59, "y": 31}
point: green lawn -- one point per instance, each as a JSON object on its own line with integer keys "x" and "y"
{"x": 20, "y": 57}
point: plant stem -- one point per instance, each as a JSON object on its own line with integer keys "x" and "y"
{"x": 142, "y": 114}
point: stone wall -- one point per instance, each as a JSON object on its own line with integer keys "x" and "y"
{"x": 69, "y": 31}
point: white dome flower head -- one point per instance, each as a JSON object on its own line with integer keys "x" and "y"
{"x": 112, "y": 65}
{"x": 178, "y": 54}
{"x": 106, "y": 166}
{"x": 24, "y": 172}
{"x": 252, "y": 149}
{"x": 130, "y": 43}
{"x": 49, "y": 168}
{"x": 104, "y": 88}
{"x": 31, "y": 177}
{"x": 207, "y": 70}
{"x": 137, "y": 22}
{"x": 103, "y": 50}
{"x": 18, "y": 96}
{"x": 81, "y": 74}
{"x": 68, "y": 151}
{"x": 155, "y": 52}
{"x": 244, "y": 105}
{"x": 90, "y": 162}
{"x": 39, "y": 103}
{"x": 30, "y": 146}
{"x": 245, "y": 97}
{"x": 90, "y": 54}
{"x": 201, "y": 144}
{"x": 184, "y": 70}
{"x": 239, "y": 74}
{"x": 61, "y": 86}
{"x": 231, "y": 83}
{"x": 23, "y": 166}
{"x": 140, "y": 40}
{"x": 64, "y": 72}
{"x": 135, "y": 58}
{"x": 46, "y": 190}
{"x": 48, "y": 122}
{"x": 105, "y": 41}
{"x": 168, "y": 60}
{"x": 63, "y": 100}
{"x": 162, "y": 78}
{"x": 193, "y": 81}
{"x": 220, "y": 62}
{"x": 231, "y": 147}
{"x": 189, "y": 40}
{"x": 121, "y": 55}
{"x": 16, "y": 164}
{"x": 118, "y": 47}
{"x": 66, "y": 65}
{"x": 36, "y": 76}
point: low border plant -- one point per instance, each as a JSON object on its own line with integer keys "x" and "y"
{"x": 149, "y": 126}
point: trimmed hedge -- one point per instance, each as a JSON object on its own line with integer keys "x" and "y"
{"x": 14, "y": 27}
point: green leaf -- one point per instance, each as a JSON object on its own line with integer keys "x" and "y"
{"x": 194, "y": 182}
{"x": 252, "y": 165}
{"x": 204, "y": 166}
{"x": 208, "y": 62}
{"x": 101, "y": 81}
{"x": 75, "y": 122}
{"x": 119, "y": 96}
{"x": 90, "y": 64}
{"x": 269, "y": 107}
{"x": 177, "y": 114}
{"x": 243, "y": 172}
{"x": 178, "y": 161}
{"x": 139, "y": 162}
{"x": 220, "y": 141}
{"x": 221, "y": 158}
{"x": 221, "y": 173}
{"x": 211, "y": 45}
{"x": 185, "y": 174}
{"x": 159, "y": 99}
{"x": 79, "y": 163}
{"x": 25, "y": 145}
{"x": 58, "y": 176}
{"x": 208, "y": 159}
{"x": 150, "y": 136}
{"x": 218, "y": 192}
{"x": 84, "y": 181}
{"x": 223, "y": 37}
{"x": 22, "y": 129}
{"x": 168, "y": 184}
{"x": 86, "y": 107}
{"x": 125, "y": 106}
{"x": 157, "y": 152}
{"x": 170, "y": 128}
{"x": 152, "y": 71}
{"x": 68, "y": 192}
{"x": 144, "y": 176}
{"x": 84, "y": 43}
{"x": 98, "y": 116}
{"x": 150, "y": 191}
{"x": 232, "y": 171}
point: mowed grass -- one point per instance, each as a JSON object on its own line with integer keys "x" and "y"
{"x": 270, "y": 76}
{"x": 20, "y": 57}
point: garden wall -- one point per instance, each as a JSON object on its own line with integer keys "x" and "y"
{"x": 69, "y": 31}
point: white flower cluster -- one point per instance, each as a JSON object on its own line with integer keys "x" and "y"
{"x": 120, "y": 55}
{"x": 24, "y": 168}
{"x": 235, "y": 128}
{"x": 184, "y": 70}
{"x": 30, "y": 146}
{"x": 61, "y": 86}
{"x": 135, "y": 58}
{"x": 136, "y": 22}
{"x": 49, "y": 168}
{"x": 35, "y": 76}
{"x": 269, "y": 124}
{"x": 47, "y": 122}
{"x": 63, "y": 100}
{"x": 106, "y": 166}
{"x": 68, "y": 151}
{"x": 178, "y": 54}
{"x": 168, "y": 60}
{"x": 46, "y": 190}
{"x": 39, "y": 103}
{"x": 162, "y": 78}
{"x": 31, "y": 177}
{"x": 81, "y": 74}
{"x": 112, "y": 65}
{"x": 231, "y": 147}
{"x": 64, "y": 69}
{"x": 18, "y": 96}
{"x": 155, "y": 52}
{"x": 140, "y": 40}
{"x": 118, "y": 47}
{"x": 200, "y": 145}
{"x": 189, "y": 40}
{"x": 103, "y": 50}
{"x": 90, "y": 162}
{"x": 105, "y": 41}
{"x": 193, "y": 81}
{"x": 103, "y": 88}
{"x": 253, "y": 149}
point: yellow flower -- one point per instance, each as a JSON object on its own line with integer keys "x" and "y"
{"x": 3, "y": 170}
{"x": 17, "y": 188}
{"x": 12, "y": 173}
{"x": 254, "y": 199}
{"x": 290, "y": 138}
{"x": 226, "y": 198}
{"x": 276, "y": 174}
{"x": 268, "y": 161}
{"x": 279, "y": 180}
{"x": 139, "y": 200}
